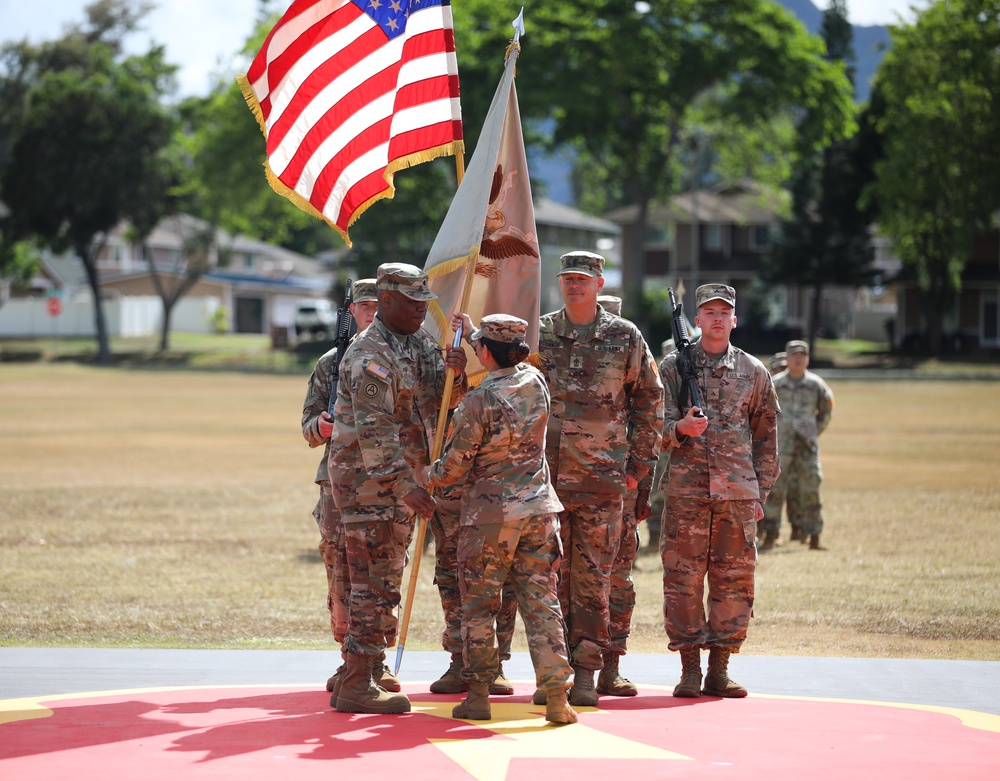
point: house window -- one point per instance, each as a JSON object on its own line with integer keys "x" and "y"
{"x": 760, "y": 237}
{"x": 248, "y": 261}
{"x": 659, "y": 235}
{"x": 713, "y": 237}
{"x": 990, "y": 320}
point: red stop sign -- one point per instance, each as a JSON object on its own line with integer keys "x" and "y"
{"x": 55, "y": 306}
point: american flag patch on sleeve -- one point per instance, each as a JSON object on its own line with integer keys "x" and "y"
{"x": 376, "y": 369}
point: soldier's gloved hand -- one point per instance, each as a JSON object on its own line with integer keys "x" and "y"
{"x": 421, "y": 502}
{"x": 642, "y": 508}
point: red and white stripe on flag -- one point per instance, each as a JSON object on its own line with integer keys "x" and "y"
{"x": 347, "y": 92}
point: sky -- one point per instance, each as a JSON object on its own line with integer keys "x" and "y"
{"x": 204, "y": 37}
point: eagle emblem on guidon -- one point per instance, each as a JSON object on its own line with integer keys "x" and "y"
{"x": 501, "y": 241}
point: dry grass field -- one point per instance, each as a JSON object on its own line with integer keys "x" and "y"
{"x": 173, "y": 509}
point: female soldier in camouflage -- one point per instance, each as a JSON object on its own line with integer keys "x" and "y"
{"x": 509, "y": 524}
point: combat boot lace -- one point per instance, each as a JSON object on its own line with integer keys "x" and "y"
{"x": 690, "y": 683}
{"x": 611, "y": 682}
{"x": 717, "y": 681}
{"x": 451, "y": 682}
{"x": 476, "y": 706}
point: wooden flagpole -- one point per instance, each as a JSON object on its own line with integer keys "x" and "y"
{"x": 442, "y": 421}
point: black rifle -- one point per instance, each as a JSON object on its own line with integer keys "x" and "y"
{"x": 344, "y": 322}
{"x": 685, "y": 357}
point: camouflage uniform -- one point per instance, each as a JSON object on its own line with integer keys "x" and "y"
{"x": 444, "y": 526}
{"x": 713, "y": 483}
{"x": 326, "y": 514}
{"x": 384, "y": 418}
{"x": 603, "y": 382}
{"x": 331, "y": 546}
{"x": 509, "y": 526}
{"x": 806, "y": 409}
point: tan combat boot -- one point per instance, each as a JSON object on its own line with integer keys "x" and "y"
{"x": 717, "y": 681}
{"x": 690, "y": 683}
{"x": 770, "y": 541}
{"x": 360, "y": 694}
{"x": 477, "y": 703}
{"x": 540, "y": 697}
{"x": 611, "y": 682}
{"x": 583, "y": 693}
{"x": 331, "y": 682}
{"x": 501, "y": 685}
{"x": 384, "y": 677}
{"x": 451, "y": 682}
{"x": 557, "y": 708}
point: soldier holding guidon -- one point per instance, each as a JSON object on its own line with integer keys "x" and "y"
{"x": 509, "y": 523}
{"x": 392, "y": 379}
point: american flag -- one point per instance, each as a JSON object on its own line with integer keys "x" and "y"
{"x": 347, "y": 92}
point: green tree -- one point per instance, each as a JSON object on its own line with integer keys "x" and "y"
{"x": 938, "y": 183}
{"x": 88, "y": 143}
{"x": 623, "y": 81}
{"x": 826, "y": 240}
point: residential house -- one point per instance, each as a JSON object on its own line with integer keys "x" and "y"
{"x": 974, "y": 323}
{"x": 256, "y": 285}
{"x": 723, "y": 235}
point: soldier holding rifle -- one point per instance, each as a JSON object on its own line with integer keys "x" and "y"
{"x": 392, "y": 379}
{"x": 721, "y": 429}
{"x": 317, "y": 425}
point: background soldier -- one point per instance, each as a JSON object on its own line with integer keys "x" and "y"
{"x": 806, "y": 408}
{"x": 391, "y": 383}
{"x": 621, "y": 596}
{"x": 604, "y": 384}
{"x": 722, "y": 466}
{"x": 317, "y": 426}
{"x": 496, "y": 455}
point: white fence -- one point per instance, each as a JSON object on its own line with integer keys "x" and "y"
{"x": 127, "y": 316}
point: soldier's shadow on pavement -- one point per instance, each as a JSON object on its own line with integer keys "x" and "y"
{"x": 305, "y": 720}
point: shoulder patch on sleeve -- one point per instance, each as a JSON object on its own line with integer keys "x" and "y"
{"x": 375, "y": 369}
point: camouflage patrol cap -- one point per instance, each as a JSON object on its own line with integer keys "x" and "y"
{"x": 590, "y": 264}
{"x": 707, "y": 293}
{"x": 779, "y": 360}
{"x": 797, "y": 346}
{"x": 612, "y": 303}
{"x": 406, "y": 279}
{"x": 500, "y": 328}
{"x": 364, "y": 290}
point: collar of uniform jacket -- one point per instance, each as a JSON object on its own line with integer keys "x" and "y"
{"x": 726, "y": 361}
{"x": 561, "y": 325}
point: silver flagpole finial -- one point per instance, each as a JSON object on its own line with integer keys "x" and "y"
{"x": 518, "y": 25}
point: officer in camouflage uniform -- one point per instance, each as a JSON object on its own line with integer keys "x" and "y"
{"x": 391, "y": 381}
{"x": 509, "y": 523}
{"x": 621, "y": 597}
{"x": 317, "y": 425}
{"x": 807, "y": 406}
{"x": 721, "y": 468}
{"x": 779, "y": 362}
{"x": 603, "y": 437}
